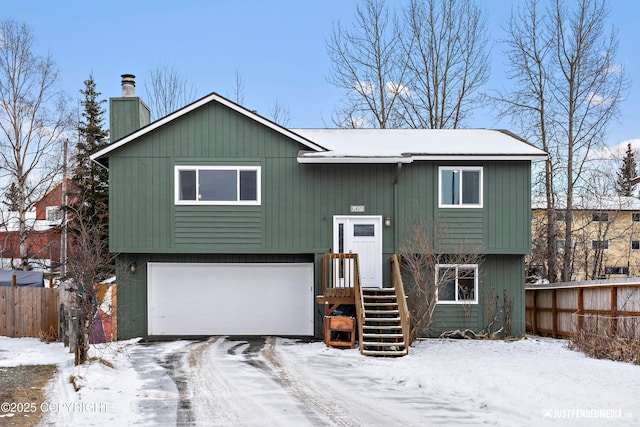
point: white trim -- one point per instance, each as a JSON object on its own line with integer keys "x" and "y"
{"x": 480, "y": 157}
{"x": 456, "y": 301}
{"x": 461, "y": 205}
{"x": 337, "y": 219}
{"x": 197, "y": 104}
{"x": 353, "y": 160}
{"x": 176, "y": 182}
{"x": 323, "y": 158}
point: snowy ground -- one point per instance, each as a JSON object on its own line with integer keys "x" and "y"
{"x": 274, "y": 381}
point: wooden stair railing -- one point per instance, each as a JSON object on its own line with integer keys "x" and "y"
{"x": 398, "y": 285}
{"x": 339, "y": 276}
{"x": 384, "y": 318}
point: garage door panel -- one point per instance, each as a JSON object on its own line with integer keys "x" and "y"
{"x": 230, "y": 299}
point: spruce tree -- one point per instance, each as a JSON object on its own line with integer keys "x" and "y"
{"x": 627, "y": 172}
{"x": 89, "y": 190}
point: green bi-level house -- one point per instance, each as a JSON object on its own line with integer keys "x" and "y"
{"x": 221, "y": 218}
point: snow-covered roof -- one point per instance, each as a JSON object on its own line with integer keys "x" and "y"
{"x": 369, "y": 145}
{"x": 591, "y": 202}
{"x": 408, "y": 145}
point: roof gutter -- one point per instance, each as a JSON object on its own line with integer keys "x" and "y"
{"x": 353, "y": 160}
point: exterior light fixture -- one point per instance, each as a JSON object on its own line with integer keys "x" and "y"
{"x": 387, "y": 222}
{"x": 133, "y": 267}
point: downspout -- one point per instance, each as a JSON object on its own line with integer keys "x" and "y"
{"x": 395, "y": 221}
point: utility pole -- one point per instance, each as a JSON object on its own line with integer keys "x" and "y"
{"x": 63, "y": 237}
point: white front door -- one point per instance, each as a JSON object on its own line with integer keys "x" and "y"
{"x": 361, "y": 235}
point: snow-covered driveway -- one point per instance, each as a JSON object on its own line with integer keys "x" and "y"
{"x": 257, "y": 382}
{"x": 281, "y": 382}
{"x": 274, "y": 381}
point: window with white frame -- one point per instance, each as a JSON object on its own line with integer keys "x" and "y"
{"x": 460, "y": 187}
{"x": 217, "y": 185}
{"x": 457, "y": 283}
{"x": 54, "y": 214}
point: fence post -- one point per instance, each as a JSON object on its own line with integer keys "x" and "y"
{"x": 580, "y": 308}
{"x": 554, "y": 313}
{"x": 534, "y": 321}
{"x": 613, "y": 325}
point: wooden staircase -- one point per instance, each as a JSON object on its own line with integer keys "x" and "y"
{"x": 382, "y": 314}
{"x": 382, "y": 332}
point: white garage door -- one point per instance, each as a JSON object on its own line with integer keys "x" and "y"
{"x": 230, "y": 299}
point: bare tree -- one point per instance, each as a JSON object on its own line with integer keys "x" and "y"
{"x": 366, "y": 63}
{"x": 89, "y": 263}
{"x": 280, "y": 114}
{"x": 567, "y": 88}
{"x": 167, "y": 91}
{"x": 238, "y": 89}
{"x": 33, "y": 117}
{"x": 438, "y": 269}
{"x": 445, "y": 44}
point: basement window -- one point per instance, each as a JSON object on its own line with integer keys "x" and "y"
{"x": 217, "y": 185}
{"x": 457, "y": 283}
{"x": 460, "y": 187}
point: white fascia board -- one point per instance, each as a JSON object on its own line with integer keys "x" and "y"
{"x": 197, "y": 104}
{"x": 354, "y": 160}
{"x": 411, "y": 159}
{"x": 500, "y": 157}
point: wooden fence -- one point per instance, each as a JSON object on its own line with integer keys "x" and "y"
{"x": 560, "y": 311}
{"x": 28, "y": 312}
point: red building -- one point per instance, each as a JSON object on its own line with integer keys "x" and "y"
{"x": 44, "y": 239}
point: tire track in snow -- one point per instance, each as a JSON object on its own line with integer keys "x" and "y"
{"x": 232, "y": 386}
{"x": 315, "y": 401}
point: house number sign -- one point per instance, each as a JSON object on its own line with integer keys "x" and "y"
{"x": 357, "y": 208}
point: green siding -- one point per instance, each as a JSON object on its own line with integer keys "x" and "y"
{"x": 127, "y": 115}
{"x": 497, "y": 274}
{"x": 298, "y": 202}
{"x": 223, "y": 229}
{"x": 508, "y": 207}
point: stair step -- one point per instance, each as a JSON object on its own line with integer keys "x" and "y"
{"x": 383, "y": 344}
{"x": 380, "y": 312}
{"x": 381, "y": 303}
{"x": 384, "y": 352}
{"x": 383, "y": 327}
{"x": 381, "y": 291}
{"x": 367, "y": 335}
{"x": 381, "y": 319}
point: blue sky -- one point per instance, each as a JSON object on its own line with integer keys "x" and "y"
{"x": 277, "y": 46}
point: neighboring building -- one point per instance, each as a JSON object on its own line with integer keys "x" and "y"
{"x": 220, "y": 217}
{"x": 606, "y": 238}
{"x": 44, "y": 238}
